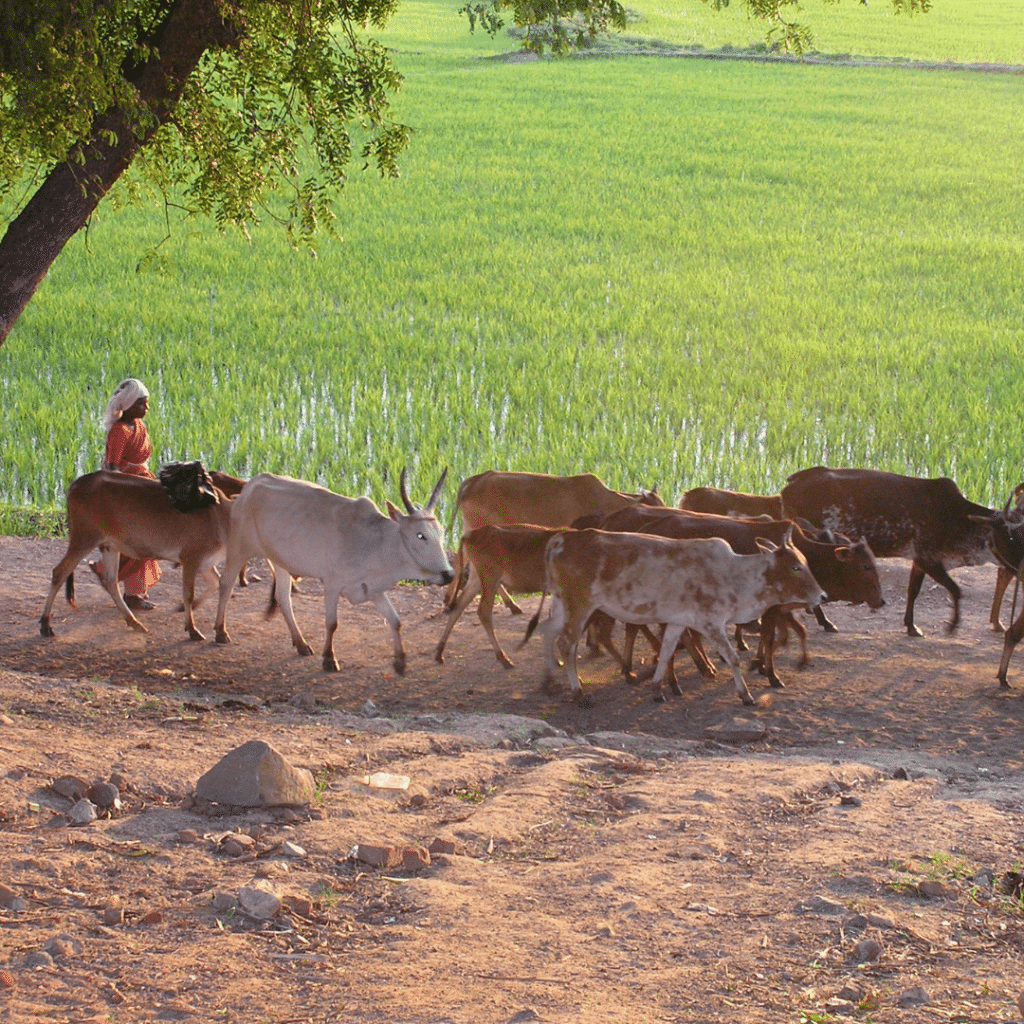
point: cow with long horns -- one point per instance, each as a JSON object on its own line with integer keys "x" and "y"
{"x": 302, "y": 529}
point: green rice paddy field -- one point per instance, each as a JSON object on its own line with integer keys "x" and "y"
{"x": 666, "y": 270}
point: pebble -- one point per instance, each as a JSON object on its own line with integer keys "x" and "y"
{"x": 105, "y": 795}
{"x": 71, "y": 787}
{"x": 83, "y": 812}
{"x": 913, "y": 997}
{"x": 10, "y": 900}
{"x": 932, "y": 889}
{"x": 258, "y": 903}
{"x": 290, "y": 849}
{"x": 820, "y": 905}
{"x": 867, "y": 950}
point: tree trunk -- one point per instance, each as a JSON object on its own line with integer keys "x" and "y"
{"x": 73, "y": 189}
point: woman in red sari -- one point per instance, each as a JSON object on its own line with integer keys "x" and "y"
{"x": 128, "y": 451}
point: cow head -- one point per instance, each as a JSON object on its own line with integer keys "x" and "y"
{"x": 188, "y": 485}
{"x": 1007, "y": 532}
{"x": 421, "y": 534}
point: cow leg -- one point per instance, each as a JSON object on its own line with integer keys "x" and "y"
{"x": 281, "y": 597}
{"x": 1011, "y": 638}
{"x": 552, "y": 631}
{"x": 62, "y": 571}
{"x": 233, "y": 567}
{"x": 823, "y": 620}
{"x": 188, "y": 596}
{"x": 508, "y": 601}
{"x": 669, "y": 641}
{"x": 452, "y": 591}
{"x": 738, "y": 641}
{"x": 387, "y": 610}
{"x": 917, "y": 574}
{"x": 485, "y": 613}
{"x": 691, "y": 641}
{"x": 718, "y": 637}
{"x": 1003, "y": 580}
{"x": 470, "y": 591}
{"x": 111, "y": 565}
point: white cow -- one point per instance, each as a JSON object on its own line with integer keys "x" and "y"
{"x": 357, "y": 551}
{"x": 697, "y": 584}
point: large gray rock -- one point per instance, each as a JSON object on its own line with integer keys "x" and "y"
{"x": 256, "y": 775}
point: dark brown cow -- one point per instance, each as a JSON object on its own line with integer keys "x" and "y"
{"x": 715, "y": 501}
{"x": 846, "y": 572}
{"x": 1004, "y": 576}
{"x": 1007, "y": 533}
{"x": 497, "y": 498}
{"x": 926, "y": 520}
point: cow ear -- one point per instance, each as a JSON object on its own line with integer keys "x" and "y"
{"x": 844, "y": 554}
{"x": 765, "y": 544}
{"x": 393, "y": 511}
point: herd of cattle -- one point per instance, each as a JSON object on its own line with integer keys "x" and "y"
{"x": 599, "y": 556}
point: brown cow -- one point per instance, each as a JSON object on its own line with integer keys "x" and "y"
{"x": 697, "y": 584}
{"x": 126, "y": 514}
{"x": 497, "y": 498}
{"x": 1007, "y": 533}
{"x": 715, "y": 501}
{"x": 927, "y": 521}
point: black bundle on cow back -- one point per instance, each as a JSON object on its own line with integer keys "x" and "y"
{"x": 188, "y": 485}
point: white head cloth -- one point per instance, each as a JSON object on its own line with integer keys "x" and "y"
{"x": 126, "y": 394}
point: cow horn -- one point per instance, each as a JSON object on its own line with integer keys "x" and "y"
{"x": 409, "y": 506}
{"x": 437, "y": 491}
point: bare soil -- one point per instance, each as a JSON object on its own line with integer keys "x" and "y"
{"x": 616, "y": 863}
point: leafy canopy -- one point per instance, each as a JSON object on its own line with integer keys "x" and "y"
{"x": 299, "y": 76}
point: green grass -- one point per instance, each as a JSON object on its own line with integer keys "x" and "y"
{"x": 669, "y": 272}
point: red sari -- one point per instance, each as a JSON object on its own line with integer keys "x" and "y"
{"x": 128, "y": 451}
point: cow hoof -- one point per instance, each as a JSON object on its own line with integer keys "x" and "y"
{"x": 399, "y": 666}
{"x": 776, "y": 682}
{"x": 914, "y": 631}
{"x": 222, "y": 637}
{"x": 505, "y": 660}
{"x": 194, "y": 634}
{"x": 137, "y": 626}
{"x": 582, "y": 700}
{"x": 305, "y": 650}
{"x": 45, "y": 628}
{"x": 748, "y": 700}
{"x": 1003, "y": 684}
{"x": 330, "y": 665}
{"x": 439, "y": 657}
{"x": 830, "y": 627}
{"x": 659, "y": 697}
{"x": 674, "y": 687}
{"x": 631, "y": 678}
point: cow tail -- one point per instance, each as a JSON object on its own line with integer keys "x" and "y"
{"x": 532, "y": 625}
{"x": 272, "y": 603}
{"x": 69, "y": 589}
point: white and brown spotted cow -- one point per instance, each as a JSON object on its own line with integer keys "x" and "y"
{"x": 685, "y": 584}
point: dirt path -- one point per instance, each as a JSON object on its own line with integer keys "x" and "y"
{"x": 613, "y": 863}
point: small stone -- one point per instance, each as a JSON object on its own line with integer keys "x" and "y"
{"x": 441, "y": 846}
{"x": 415, "y": 858}
{"x": 113, "y": 915}
{"x": 63, "y": 945}
{"x": 10, "y": 900}
{"x": 378, "y": 855}
{"x": 820, "y": 905}
{"x": 867, "y": 950}
{"x": 105, "y": 795}
{"x": 236, "y": 846}
{"x": 932, "y": 889}
{"x": 119, "y": 780}
{"x": 851, "y": 992}
{"x": 849, "y": 800}
{"x": 188, "y": 835}
{"x": 290, "y": 849}
{"x": 900, "y": 773}
{"x": 224, "y": 902}
{"x": 6, "y": 720}
{"x": 738, "y": 731}
{"x": 39, "y": 959}
{"x": 913, "y": 997}
{"x": 82, "y": 813}
{"x": 298, "y": 905}
{"x": 70, "y": 787}
{"x": 259, "y": 903}
{"x": 153, "y": 917}
{"x": 985, "y": 877}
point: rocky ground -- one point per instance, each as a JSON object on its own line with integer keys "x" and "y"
{"x": 850, "y": 847}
